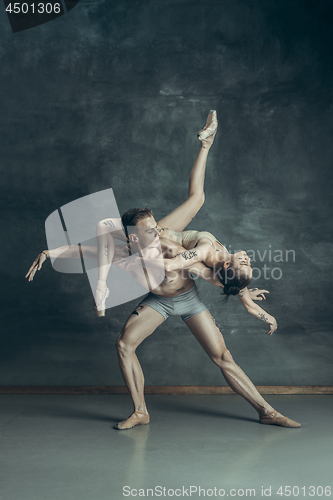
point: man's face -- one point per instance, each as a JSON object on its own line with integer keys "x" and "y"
{"x": 146, "y": 234}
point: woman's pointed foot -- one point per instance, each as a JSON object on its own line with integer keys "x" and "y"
{"x": 207, "y": 134}
{"x": 101, "y": 294}
{"x": 275, "y": 418}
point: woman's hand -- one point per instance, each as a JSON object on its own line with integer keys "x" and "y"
{"x": 273, "y": 326}
{"x": 37, "y": 265}
{"x": 257, "y": 294}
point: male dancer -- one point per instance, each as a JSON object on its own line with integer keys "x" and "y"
{"x": 177, "y": 294}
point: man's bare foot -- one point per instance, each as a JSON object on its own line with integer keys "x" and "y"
{"x": 275, "y": 418}
{"x": 137, "y": 418}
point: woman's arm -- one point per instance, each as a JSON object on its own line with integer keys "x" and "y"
{"x": 65, "y": 252}
{"x": 205, "y": 273}
{"x": 255, "y": 310}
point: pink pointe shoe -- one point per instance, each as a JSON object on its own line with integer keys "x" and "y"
{"x": 101, "y": 294}
{"x": 210, "y": 128}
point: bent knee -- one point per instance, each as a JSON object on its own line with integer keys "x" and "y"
{"x": 123, "y": 348}
{"x": 226, "y": 356}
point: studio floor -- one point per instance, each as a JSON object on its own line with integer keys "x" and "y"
{"x": 64, "y": 447}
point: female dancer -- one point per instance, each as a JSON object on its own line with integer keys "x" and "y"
{"x": 235, "y": 271}
{"x": 193, "y": 246}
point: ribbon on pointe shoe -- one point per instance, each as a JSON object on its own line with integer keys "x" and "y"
{"x": 210, "y": 127}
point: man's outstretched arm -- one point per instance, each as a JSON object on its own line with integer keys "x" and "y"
{"x": 180, "y": 217}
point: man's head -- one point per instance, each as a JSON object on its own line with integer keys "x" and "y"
{"x": 140, "y": 227}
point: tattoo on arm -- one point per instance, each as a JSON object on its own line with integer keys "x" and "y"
{"x": 263, "y": 317}
{"x": 189, "y": 254}
{"x": 106, "y": 249}
{"x": 109, "y": 223}
{"x": 241, "y": 293}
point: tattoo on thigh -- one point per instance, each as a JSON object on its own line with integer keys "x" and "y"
{"x": 136, "y": 311}
{"x": 215, "y": 323}
{"x": 189, "y": 254}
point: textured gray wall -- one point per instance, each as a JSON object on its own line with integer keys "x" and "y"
{"x": 112, "y": 95}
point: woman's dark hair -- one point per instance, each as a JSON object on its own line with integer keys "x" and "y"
{"x": 233, "y": 280}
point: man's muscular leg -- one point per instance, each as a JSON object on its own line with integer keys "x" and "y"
{"x": 142, "y": 323}
{"x": 205, "y": 329}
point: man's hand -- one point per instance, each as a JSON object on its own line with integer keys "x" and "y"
{"x": 36, "y": 265}
{"x": 257, "y": 294}
{"x": 273, "y": 327}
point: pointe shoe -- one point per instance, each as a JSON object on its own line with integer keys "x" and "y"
{"x": 137, "y": 418}
{"x": 210, "y": 128}
{"x": 273, "y": 419}
{"x": 99, "y": 306}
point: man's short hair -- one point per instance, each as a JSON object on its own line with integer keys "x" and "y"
{"x": 133, "y": 216}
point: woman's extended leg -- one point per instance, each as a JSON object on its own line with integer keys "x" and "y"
{"x": 105, "y": 253}
{"x": 205, "y": 329}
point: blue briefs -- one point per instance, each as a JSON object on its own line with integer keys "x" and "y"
{"x": 186, "y": 305}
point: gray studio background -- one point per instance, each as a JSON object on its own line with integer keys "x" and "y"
{"x": 111, "y": 95}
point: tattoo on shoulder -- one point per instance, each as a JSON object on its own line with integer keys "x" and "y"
{"x": 189, "y": 254}
{"x": 263, "y": 317}
{"x": 109, "y": 222}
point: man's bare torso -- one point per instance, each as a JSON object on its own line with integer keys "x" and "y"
{"x": 174, "y": 282}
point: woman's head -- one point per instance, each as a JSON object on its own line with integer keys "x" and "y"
{"x": 235, "y": 273}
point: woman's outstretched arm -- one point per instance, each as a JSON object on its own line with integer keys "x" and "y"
{"x": 255, "y": 310}
{"x": 65, "y": 252}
